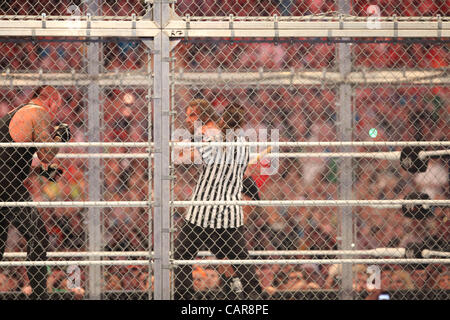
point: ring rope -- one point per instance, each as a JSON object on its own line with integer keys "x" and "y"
{"x": 315, "y": 143}
{"x": 378, "y": 252}
{"x": 278, "y": 203}
{"x": 75, "y": 262}
{"x": 393, "y": 155}
{"x": 307, "y": 203}
{"x": 222, "y": 262}
{"x": 233, "y": 143}
{"x": 311, "y": 261}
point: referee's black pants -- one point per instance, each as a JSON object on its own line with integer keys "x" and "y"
{"x": 223, "y": 243}
{"x": 29, "y": 223}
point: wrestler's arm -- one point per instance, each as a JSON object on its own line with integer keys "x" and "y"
{"x": 41, "y": 133}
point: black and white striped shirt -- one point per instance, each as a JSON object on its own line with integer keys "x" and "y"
{"x": 220, "y": 179}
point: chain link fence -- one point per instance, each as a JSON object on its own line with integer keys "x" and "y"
{"x": 305, "y": 90}
{"x": 302, "y": 8}
{"x": 383, "y": 8}
{"x": 105, "y": 88}
{"x": 258, "y": 76}
{"x": 74, "y": 7}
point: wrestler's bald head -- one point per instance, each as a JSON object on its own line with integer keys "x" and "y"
{"x": 50, "y": 97}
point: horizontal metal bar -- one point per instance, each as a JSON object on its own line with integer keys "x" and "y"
{"x": 71, "y": 17}
{"x": 318, "y": 17}
{"x": 286, "y": 77}
{"x": 307, "y": 29}
{"x": 72, "y": 28}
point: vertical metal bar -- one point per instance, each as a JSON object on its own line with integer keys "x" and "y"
{"x": 172, "y": 167}
{"x": 161, "y": 12}
{"x": 161, "y": 129}
{"x": 94, "y": 178}
{"x": 150, "y": 45}
{"x": 150, "y": 171}
{"x": 345, "y": 126}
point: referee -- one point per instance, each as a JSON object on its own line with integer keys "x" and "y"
{"x": 218, "y": 228}
{"x": 29, "y": 123}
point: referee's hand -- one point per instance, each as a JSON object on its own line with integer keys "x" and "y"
{"x": 52, "y": 173}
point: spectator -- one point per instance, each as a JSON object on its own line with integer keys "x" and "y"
{"x": 300, "y": 113}
{"x": 200, "y": 279}
{"x": 401, "y": 280}
{"x": 57, "y": 281}
{"x": 112, "y": 282}
{"x": 419, "y": 278}
{"x": 442, "y": 282}
{"x": 360, "y": 278}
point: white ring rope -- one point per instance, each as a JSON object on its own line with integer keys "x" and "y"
{"x": 77, "y": 262}
{"x": 82, "y": 254}
{"x": 424, "y": 154}
{"x": 75, "y": 144}
{"x": 428, "y": 253}
{"x": 312, "y": 261}
{"x": 277, "y": 203}
{"x": 233, "y": 143}
{"x": 222, "y": 262}
{"x": 102, "y": 155}
{"x": 317, "y": 144}
{"x": 307, "y": 203}
{"x": 378, "y": 252}
{"x": 394, "y": 155}
{"x": 78, "y": 204}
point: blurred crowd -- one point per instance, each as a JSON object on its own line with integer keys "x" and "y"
{"x": 299, "y": 113}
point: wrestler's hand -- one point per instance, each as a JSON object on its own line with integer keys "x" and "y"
{"x": 62, "y": 132}
{"x": 52, "y": 173}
